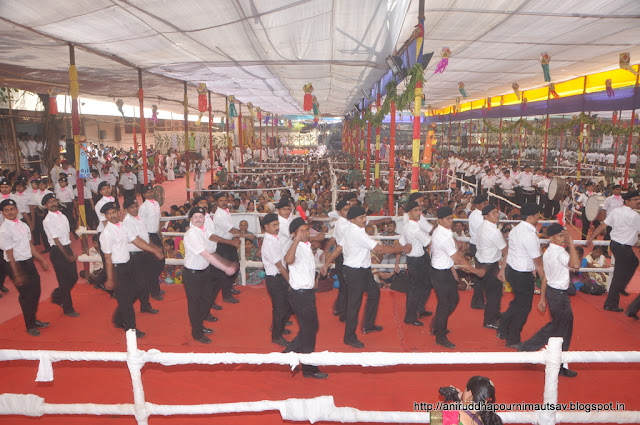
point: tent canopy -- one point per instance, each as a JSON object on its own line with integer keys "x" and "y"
{"x": 265, "y": 51}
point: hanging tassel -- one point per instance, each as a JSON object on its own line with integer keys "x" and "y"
{"x": 53, "y": 102}
{"x": 202, "y": 98}
{"x": 290, "y": 124}
{"x": 457, "y": 105}
{"x": 544, "y": 61}
{"x": 232, "y": 127}
{"x": 315, "y": 121}
{"x": 445, "y": 53}
{"x": 553, "y": 92}
{"x": 199, "y": 120}
{"x": 516, "y": 89}
{"x": 316, "y": 106}
{"x": 625, "y": 61}
{"x": 308, "y": 100}
{"x": 610, "y": 92}
{"x": 489, "y": 103}
{"x": 266, "y": 119}
{"x": 463, "y": 92}
{"x": 232, "y": 107}
{"x": 259, "y": 113}
{"x": 120, "y": 105}
{"x": 614, "y": 118}
{"x": 154, "y": 114}
{"x": 523, "y": 105}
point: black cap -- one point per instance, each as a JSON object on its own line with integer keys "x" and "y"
{"x": 219, "y": 195}
{"x": 109, "y": 206}
{"x": 480, "y": 199}
{"x": 589, "y": 183}
{"x": 147, "y": 187}
{"x": 341, "y": 204}
{"x": 355, "y": 211}
{"x": 93, "y": 170}
{"x": 198, "y": 199}
{"x": 554, "y": 229}
{"x": 410, "y": 205}
{"x": 486, "y": 210}
{"x": 284, "y": 202}
{"x": 101, "y": 185}
{"x": 529, "y": 209}
{"x": 297, "y": 222}
{"x": 630, "y": 194}
{"x": 415, "y": 195}
{"x": 36, "y": 181}
{"x": 269, "y": 218}
{"x": 444, "y": 212}
{"x": 6, "y": 203}
{"x": 5, "y": 182}
{"x": 46, "y": 198}
{"x": 63, "y": 179}
{"x": 349, "y": 195}
{"x": 128, "y": 201}
{"x": 616, "y": 186}
{"x": 196, "y": 210}
{"x": 21, "y": 182}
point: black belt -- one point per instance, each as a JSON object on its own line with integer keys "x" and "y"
{"x": 133, "y": 253}
{"x": 621, "y": 244}
{"x": 556, "y": 289}
{"x": 29, "y": 260}
{"x": 195, "y": 271}
{"x": 302, "y": 290}
{"x": 518, "y": 271}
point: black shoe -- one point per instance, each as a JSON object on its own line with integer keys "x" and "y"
{"x": 140, "y": 334}
{"x": 72, "y": 313}
{"x": 414, "y": 323}
{"x": 33, "y": 332}
{"x": 204, "y": 339}
{"x": 515, "y": 346}
{"x": 337, "y": 313}
{"x": 207, "y": 330}
{"x": 500, "y": 336}
{"x": 490, "y": 325}
{"x": 161, "y": 292}
{"x": 289, "y": 323}
{"x": 343, "y": 319}
{"x": 216, "y": 307}
{"x": 623, "y": 292}
{"x": 235, "y": 291}
{"x": 567, "y": 372}
{"x": 444, "y": 341}
{"x": 4, "y": 289}
{"x": 210, "y": 318}
{"x": 433, "y": 331}
{"x": 316, "y": 375}
{"x": 425, "y": 314}
{"x": 286, "y": 332}
{"x": 230, "y": 299}
{"x": 119, "y": 326}
{"x": 41, "y": 325}
{"x": 616, "y": 309}
{"x": 280, "y": 341}
{"x": 372, "y": 330}
{"x": 149, "y": 310}
{"x": 157, "y": 296}
{"x": 355, "y": 343}
{"x": 632, "y": 315}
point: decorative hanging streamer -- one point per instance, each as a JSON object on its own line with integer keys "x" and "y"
{"x": 553, "y": 92}
{"x": 202, "y": 97}
{"x": 303, "y": 215}
{"x": 463, "y": 92}
{"x": 53, "y": 102}
{"x": 625, "y": 61}
{"x": 120, "y": 104}
{"x": 232, "y": 127}
{"x": 250, "y": 108}
{"x": 457, "y": 105}
{"x": 489, "y": 103}
{"x": 232, "y": 107}
{"x": 199, "y": 120}
{"x": 614, "y": 118}
{"x": 315, "y": 120}
{"x": 610, "y": 92}
{"x": 259, "y": 113}
{"x": 266, "y": 118}
{"x": 544, "y": 61}
{"x": 444, "y": 62}
{"x": 516, "y": 89}
{"x": 316, "y": 106}
{"x": 523, "y": 104}
{"x": 275, "y": 120}
{"x": 290, "y": 124}
{"x": 154, "y": 114}
{"x": 308, "y": 100}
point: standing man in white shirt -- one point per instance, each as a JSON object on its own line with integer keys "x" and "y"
{"x": 582, "y": 200}
{"x": 128, "y": 183}
{"x": 523, "y": 259}
{"x": 66, "y": 198}
{"x": 150, "y": 213}
{"x": 611, "y": 203}
{"x": 625, "y": 225}
{"x": 491, "y": 256}
{"x": 228, "y": 250}
{"x": 104, "y": 189}
{"x": 340, "y": 305}
{"x": 56, "y": 227}
{"x": 444, "y": 255}
{"x": 475, "y": 220}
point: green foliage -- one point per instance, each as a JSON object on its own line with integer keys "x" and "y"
{"x": 5, "y": 92}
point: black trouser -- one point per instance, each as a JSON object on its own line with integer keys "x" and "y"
{"x": 513, "y": 320}
{"x": 129, "y": 193}
{"x": 278, "y": 289}
{"x": 561, "y": 324}
{"x": 446, "y": 289}
{"x": 623, "y": 271}
{"x": 3, "y": 269}
{"x": 127, "y": 291}
{"x": 141, "y": 262}
{"x": 477, "y": 300}
{"x": 67, "y": 210}
{"x": 586, "y": 224}
{"x": 423, "y": 296}
{"x": 29, "y": 291}
{"x": 92, "y": 218}
{"x": 303, "y": 304}
{"x": 340, "y": 305}
{"x": 607, "y": 237}
{"x": 551, "y": 207}
{"x": 418, "y": 268}
{"x": 493, "y": 287}
{"x": 360, "y": 281}
{"x": 67, "y": 275}
{"x": 38, "y": 230}
{"x": 157, "y": 266}
{"x": 198, "y": 289}
{"x": 230, "y": 253}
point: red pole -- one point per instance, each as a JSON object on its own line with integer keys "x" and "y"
{"x": 368, "y": 150}
{"x": 228, "y": 141}
{"x": 415, "y": 159}
{"x": 546, "y": 144}
{"x": 449, "y": 132}
{"x": 629, "y": 145}
{"x": 186, "y": 139}
{"x": 142, "y": 129}
{"x": 261, "y": 156}
{"x": 392, "y": 156}
{"x": 377, "y": 169}
{"x": 240, "y": 134}
{"x": 273, "y": 140}
{"x": 615, "y": 155}
{"x": 210, "y": 135}
{"x": 500, "y": 140}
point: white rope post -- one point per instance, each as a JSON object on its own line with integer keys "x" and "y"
{"x": 553, "y": 361}
{"x": 135, "y": 362}
{"x": 243, "y": 263}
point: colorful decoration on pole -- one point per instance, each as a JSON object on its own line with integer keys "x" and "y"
{"x": 544, "y": 61}
{"x": 457, "y": 105}
{"x": 463, "y": 92}
{"x": 316, "y": 111}
{"x": 429, "y": 147}
{"x": 516, "y": 89}
{"x": 53, "y": 102}
{"x": 120, "y": 105}
{"x": 625, "y": 63}
{"x": 553, "y": 92}
{"x": 290, "y": 124}
{"x": 232, "y": 107}
{"x": 610, "y": 92}
{"x": 202, "y": 98}
{"x": 308, "y": 99}
{"x": 445, "y": 53}
{"x": 523, "y": 104}
{"x": 154, "y": 114}
{"x": 259, "y": 113}
{"x": 266, "y": 118}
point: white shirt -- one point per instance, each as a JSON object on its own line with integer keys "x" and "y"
{"x": 72, "y": 177}
{"x": 339, "y": 229}
{"x": 488, "y": 182}
{"x": 64, "y": 194}
{"x": 625, "y": 225}
{"x": 356, "y": 247}
{"x": 91, "y": 186}
{"x": 490, "y": 243}
{"x": 612, "y": 202}
{"x": 423, "y": 223}
{"x": 443, "y": 246}
{"x": 302, "y": 272}
{"x": 556, "y": 266}
{"x": 584, "y": 197}
{"x": 195, "y": 242}
{"x": 283, "y": 234}
{"x": 271, "y": 252}
{"x": 150, "y": 213}
{"x": 22, "y": 202}
{"x": 15, "y": 235}
{"x": 475, "y": 220}
{"x": 37, "y": 198}
{"x": 113, "y": 240}
{"x": 418, "y": 238}
{"x": 507, "y": 183}
{"x": 524, "y": 247}
{"x": 56, "y": 225}
{"x": 524, "y": 179}
{"x": 134, "y": 227}
{"x": 128, "y": 181}
{"x": 222, "y": 219}
{"x": 101, "y": 217}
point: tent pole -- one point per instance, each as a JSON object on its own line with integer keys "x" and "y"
{"x": 142, "y": 129}
{"x": 240, "y": 134}
{"x": 368, "y": 151}
{"x": 377, "y": 169}
{"x": 629, "y": 144}
{"x": 260, "y": 123}
{"x": 392, "y": 156}
{"x": 417, "y": 105}
{"x": 210, "y": 136}
{"x": 186, "y": 139}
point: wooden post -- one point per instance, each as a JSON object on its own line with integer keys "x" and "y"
{"x": 392, "y": 157}
{"x": 377, "y": 169}
{"x": 210, "y": 135}
{"x": 186, "y": 139}
{"x": 368, "y": 151}
{"x": 142, "y": 128}
{"x": 240, "y": 134}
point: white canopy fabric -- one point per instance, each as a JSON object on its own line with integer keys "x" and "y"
{"x": 265, "y": 51}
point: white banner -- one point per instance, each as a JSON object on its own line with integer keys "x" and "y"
{"x": 607, "y": 141}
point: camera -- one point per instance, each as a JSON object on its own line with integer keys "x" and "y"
{"x": 449, "y": 393}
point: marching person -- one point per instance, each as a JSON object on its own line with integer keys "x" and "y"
{"x": 557, "y": 265}
{"x": 150, "y": 213}
{"x": 39, "y": 212}
{"x": 56, "y": 227}
{"x": 197, "y": 274}
{"x": 357, "y": 271}
{"x": 67, "y": 199}
{"x": 475, "y": 220}
{"x": 625, "y": 225}
{"x": 277, "y": 278}
{"x": 611, "y": 203}
{"x": 582, "y": 200}
{"x": 523, "y": 259}
{"x": 444, "y": 255}
{"x": 104, "y": 189}
{"x": 15, "y": 241}
{"x": 340, "y": 304}
{"x": 302, "y": 297}
{"x": 217, "y": 276}
{"x": 491, "y": 256}
{"x": 229, "y": 248}
{"x": 128, "y": 182}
